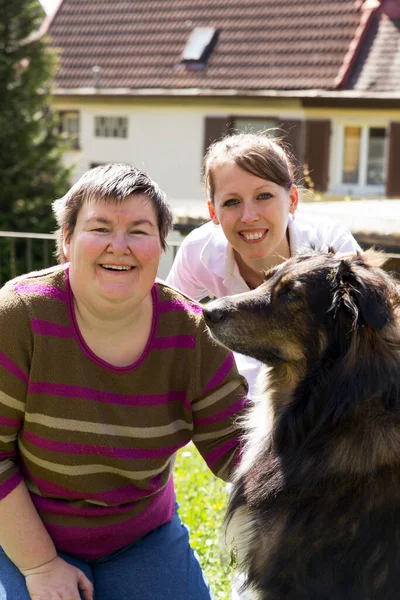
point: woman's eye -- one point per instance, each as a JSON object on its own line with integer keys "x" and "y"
{"x": 101, "y": 229}
{"x": 231, "y": 202}
{"x": 264, "y": 196}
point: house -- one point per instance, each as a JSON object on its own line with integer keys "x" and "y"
{"x": 153, "y": 82}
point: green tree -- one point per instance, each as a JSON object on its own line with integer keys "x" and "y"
{"x": 32, "y": 173}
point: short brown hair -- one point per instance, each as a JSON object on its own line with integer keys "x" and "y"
{"x": 257, "y": 153}
{"x": 109, "y": 183}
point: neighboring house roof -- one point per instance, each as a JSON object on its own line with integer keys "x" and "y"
{"x": 378, "y": 65}
{"x": 262, "y": 44}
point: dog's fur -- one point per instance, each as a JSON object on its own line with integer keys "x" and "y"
{"x": 315, "y": 508}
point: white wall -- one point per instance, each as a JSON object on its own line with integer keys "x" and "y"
{"x": 165, "y": 142}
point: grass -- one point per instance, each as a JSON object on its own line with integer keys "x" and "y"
{"x": 202, "y": 498}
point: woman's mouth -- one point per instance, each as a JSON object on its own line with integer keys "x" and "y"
{"x": 117, "y": 268}
{"x": 253, "y": 236}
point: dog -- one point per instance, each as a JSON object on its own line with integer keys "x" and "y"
{"x": 314, "y": 512}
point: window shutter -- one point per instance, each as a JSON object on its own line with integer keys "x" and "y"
{"x": 316, "y": 157}
{"x": 215, "y": 128}
{"x": 294, "y": 139}
{"x": 393, "y": 173}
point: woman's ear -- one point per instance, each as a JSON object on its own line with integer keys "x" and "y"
{"x": 66, "y": 244}
{"x": 294, "y": 199}
{"x": 212, "y": 213}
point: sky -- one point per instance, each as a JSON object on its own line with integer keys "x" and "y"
{"x": 49, "y": 5}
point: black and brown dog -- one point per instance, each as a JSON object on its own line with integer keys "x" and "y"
{"x": 315, "y": 508}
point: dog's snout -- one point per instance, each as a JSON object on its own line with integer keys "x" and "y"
{"x": 213, "y": 314}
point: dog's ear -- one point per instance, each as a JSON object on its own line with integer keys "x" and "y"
{"x": 359, "y": 292}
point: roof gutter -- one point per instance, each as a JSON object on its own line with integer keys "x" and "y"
{"x": 368, "y": 10}
{"x": 224, "y": 93}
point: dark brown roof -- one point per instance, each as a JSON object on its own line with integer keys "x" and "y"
{"x": 262, "y": 44}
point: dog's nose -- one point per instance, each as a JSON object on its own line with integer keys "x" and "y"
{"x": 213, "y": 315}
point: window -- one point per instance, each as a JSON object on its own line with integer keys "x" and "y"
{"x": 217, "y": 127}
{"x": 69, "y": 127}
{"x": 111, "y": 127}
{"x": 364, "y": 156}
{"x": 199, "y": 47}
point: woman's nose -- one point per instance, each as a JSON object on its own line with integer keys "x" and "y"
{"x": 118, "y": 244}
{"x": 249, "y": 213}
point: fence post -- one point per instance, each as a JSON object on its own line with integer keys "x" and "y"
{"x": 45, "y": 253}
{"x": 29, "y": 262}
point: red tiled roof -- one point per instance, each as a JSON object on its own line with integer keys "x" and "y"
{"x": 263, "y": 44}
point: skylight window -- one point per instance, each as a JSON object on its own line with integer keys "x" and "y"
{"x": 200, "y": 44}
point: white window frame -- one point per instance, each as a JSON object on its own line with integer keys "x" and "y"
{"x": 360, "y": 188}
{"x": 112, "y": 118}
{"x": 64, "y": 120}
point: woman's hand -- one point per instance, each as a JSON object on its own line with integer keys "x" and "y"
{"x": 57, "y": 580}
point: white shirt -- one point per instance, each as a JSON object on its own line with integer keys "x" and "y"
{"x": 205, "y": 265}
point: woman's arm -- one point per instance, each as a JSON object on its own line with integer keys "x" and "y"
{"x": 23, "y": 536}
{"x": 219, "y": 402}
{"x": 27, "y": 543}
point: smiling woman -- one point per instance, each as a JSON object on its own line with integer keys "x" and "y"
{"x": 252, "y": 200}
{"x": 105, "y": 373}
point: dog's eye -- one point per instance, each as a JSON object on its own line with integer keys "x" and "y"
{"x": 288, "y": 294}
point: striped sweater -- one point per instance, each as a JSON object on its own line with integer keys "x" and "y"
{"x": 95, "y": 443}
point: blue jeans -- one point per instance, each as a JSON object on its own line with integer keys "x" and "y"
{"x": 160, "y": 566}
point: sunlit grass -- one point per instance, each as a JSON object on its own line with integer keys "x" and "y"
{"x": 202, "y": 498}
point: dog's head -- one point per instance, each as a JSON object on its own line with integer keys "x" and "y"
{"x": 304, "y": 305}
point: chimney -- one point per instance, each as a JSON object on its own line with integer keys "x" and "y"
{"x": 96, "y": 77}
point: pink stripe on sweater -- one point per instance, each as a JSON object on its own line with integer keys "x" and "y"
{"x": 58, "y": 507}
{"x": 12, "y": 368}
{"x": 212, "y": 457}
{"x": 112, "y": 497}
{"x": 7, "y": 422}
{"x": 7, "y": 486}
{"x": 9, "y": 454}
{"x": 45, "y": 290}
{"x": 223, "y": 414}
{"x": 221, "y": 374}
{"x": 118, "y": 453}
{"x": 171, "y": 305}
{"x": 174, "y": 341}
{"x": 91, "y": 543}
{"x": 77, "y": 391}
{"x": 52, "y": 329}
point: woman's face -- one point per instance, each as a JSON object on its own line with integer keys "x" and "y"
{"x": 114, "y": 251}
{"x": 252, "y": 211}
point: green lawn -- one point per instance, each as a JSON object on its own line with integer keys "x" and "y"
{"x": 202, "y": 498}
